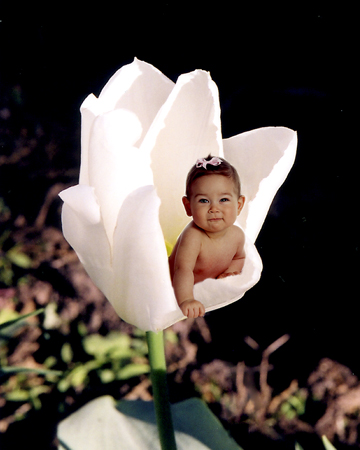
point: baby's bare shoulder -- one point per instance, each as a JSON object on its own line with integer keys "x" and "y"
{"x": 191, "y": 231}
{"x": 238, "y": 233}
{"x": 190, "y": 238}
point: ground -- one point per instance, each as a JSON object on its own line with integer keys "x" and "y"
{"x": 250, "y": 406}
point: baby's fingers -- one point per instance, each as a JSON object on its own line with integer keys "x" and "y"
{"x": 192, "y": 309}
{"x": 198, "y": 311}
{"x": 223, "y": 275}
{"x": 227, "y": 274}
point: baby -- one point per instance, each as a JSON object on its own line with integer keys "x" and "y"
{"x": 211, "y": 246}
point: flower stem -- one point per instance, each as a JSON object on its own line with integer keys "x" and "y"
{"x": 160, "y": 390}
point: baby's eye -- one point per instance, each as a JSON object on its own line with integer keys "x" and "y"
{"x": 225, "y": 199}
{"x": 203, "y": 200}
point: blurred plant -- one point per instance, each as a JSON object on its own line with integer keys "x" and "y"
{"x": 246, "y": 396}
{"x": 10, "y": 257}
{"x": 4, "y": 211}
{"x": 116, "y": 356}
{"x": 327, "y": 444}
{"x": 21, "y": 385}
{"x": 294, "y": 405}
{"x": 104, "y": 359}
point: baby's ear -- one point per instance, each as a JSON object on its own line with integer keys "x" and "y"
{"x": 241, "y": 203}
{"x": 186, "y": 203}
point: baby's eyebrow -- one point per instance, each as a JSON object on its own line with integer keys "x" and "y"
{"x": 220, "y": 195}
{"x": 200, "y": 195}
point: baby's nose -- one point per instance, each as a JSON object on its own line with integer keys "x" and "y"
{"x": 213, "y": 208}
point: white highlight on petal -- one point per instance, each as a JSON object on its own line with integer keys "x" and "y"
{"x": 116, "y": 167}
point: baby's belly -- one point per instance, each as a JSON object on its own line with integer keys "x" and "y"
{"x": 211, "y": 270}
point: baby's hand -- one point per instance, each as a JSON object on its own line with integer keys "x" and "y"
{"x": 192, "y": 309}
{"x": 227, "y": 274}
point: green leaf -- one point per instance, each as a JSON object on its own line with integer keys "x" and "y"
{"x": 327, "y": 444}
{"x": 66, "y": 353}
{"x": 14, "y": 370}
{"x": 18, "y": 258}
{"x": 11, "y": 323}
{"x": 17, "y": 395}
{"x": 78, "y": 375}
{"x": 298, "y": 446}
{"x": 107, "y": 376}
{"x": 115, "y": 344}
{"x": 132, "y": 425}
{"x": 132, "y": 370}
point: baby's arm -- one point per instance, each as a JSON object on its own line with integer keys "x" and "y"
{"x": 237, "y": 263}
{"x": 183, "y": 277}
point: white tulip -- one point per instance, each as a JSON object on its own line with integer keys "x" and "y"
{"x": 139, "y": 140}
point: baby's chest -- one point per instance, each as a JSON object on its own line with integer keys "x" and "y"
{"x": 214, "y": 260}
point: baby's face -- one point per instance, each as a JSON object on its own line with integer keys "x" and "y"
{"x": 213, "y": 204}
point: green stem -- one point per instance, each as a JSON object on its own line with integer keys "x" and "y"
{"x": 160, "y": 390}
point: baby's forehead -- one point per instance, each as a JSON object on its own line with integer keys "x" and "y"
{"x": 213, "y": 181}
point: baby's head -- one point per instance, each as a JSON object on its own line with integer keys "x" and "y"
{"x": 212, "y": 166}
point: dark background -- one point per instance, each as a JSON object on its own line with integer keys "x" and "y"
{"x": 292, "y": 66}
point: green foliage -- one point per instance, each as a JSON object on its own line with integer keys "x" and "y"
{"x": 327, "y": 444}
{"x": 14, "y": 256}
{"x": 4, "y": 211}
{"x": 294, "y": 405}
{"x": 10, "y": 326}
{"x": 116, "y": 356}
{"x": 18, "y": 387}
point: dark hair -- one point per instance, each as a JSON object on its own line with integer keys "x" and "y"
{"x": 225, "y": 169}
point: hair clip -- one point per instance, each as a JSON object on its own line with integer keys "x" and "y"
{"x": 201, "y": 162}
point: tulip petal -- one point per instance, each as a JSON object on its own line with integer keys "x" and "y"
{"x": 89, "y": 110}
{"x": 263, "y": 158}
{"x": 187, "y": 127}
{"x": 142, "y": 293}
{"x": 113, "y": 126}
{"x": 83, "y": 229}
{"x": 116, "y": 167}
{"x": 215, "y": 294}
{"x": 138, "y": 87}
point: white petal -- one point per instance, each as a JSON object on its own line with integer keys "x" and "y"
{"x": 85, "y": 232}
{"x": 186, "y": 128}
{"x": 90, "y": 109}
{"x": 138, "y": 87}
{"x": 82, "y": 200}
{"x": 263, "y": 158}
{"x": 215, "y": 294}
{"x": 142, "y": 293}
{"x": 116, "y": 167}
